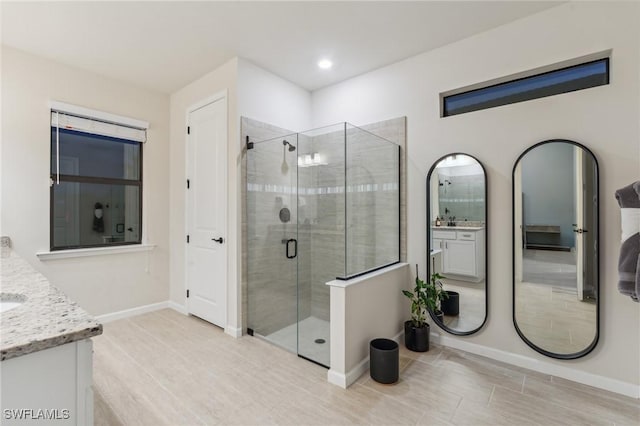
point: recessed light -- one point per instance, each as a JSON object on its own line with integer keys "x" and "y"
{"x": 325, "y": 64}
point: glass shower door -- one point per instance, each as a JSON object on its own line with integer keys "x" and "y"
{"x": 272, "y": 236}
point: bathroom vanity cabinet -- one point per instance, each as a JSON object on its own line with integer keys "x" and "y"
{"x": 49, "y": 386}
{"x": 462, "y": 252}
{"x": 46, "y": 353}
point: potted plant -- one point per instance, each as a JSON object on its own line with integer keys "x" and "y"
{"x": 424, "y": 298}
{"x": 436, "y": 295}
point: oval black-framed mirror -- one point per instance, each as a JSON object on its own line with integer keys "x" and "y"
{"x": 556, "y": 308}
{"x": 457, "y": 241}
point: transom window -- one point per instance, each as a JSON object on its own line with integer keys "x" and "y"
{"x": 96, "y": 182}
{"x": 563, "y": 80}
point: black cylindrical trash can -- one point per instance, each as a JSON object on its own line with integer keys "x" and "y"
{"x": 384, "y": 365}
{"x": 451, "y": 305}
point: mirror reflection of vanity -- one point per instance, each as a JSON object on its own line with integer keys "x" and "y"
{"x": 555, "y": 249}
{"x": 456, "y": 240}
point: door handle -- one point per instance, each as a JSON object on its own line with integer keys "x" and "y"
{"x": 218, "y": 240}
{"x": 580, "y": 230}
{"x": 295, "y": 248}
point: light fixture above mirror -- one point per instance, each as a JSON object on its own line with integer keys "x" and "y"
{"x": 310, "y": 160}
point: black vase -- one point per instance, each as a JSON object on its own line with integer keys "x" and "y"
{"x": 416, "y": 338}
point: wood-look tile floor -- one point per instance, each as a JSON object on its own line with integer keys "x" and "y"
{"x": 472, "y": 303}
{"x": 164, "y": 368}
{"x": 553, "y": 319}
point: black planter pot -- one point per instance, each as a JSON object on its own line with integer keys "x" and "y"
{"x": 416, "y": 339}
{"x": 451, "y": 305}
{"x": 384, "y": 361}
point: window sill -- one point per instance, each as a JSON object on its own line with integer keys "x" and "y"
{"x": 97, "y": 251}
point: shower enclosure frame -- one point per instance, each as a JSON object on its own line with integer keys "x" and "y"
{"x": 348, "y": 192}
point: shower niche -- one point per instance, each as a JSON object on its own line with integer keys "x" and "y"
{"x": 320, "y": 205}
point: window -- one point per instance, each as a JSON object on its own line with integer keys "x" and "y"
{"x": 569, "y": 79}
{"x": 96, "y": 182}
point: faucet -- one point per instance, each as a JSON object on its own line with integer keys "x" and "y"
{"x": 452, "y": 221}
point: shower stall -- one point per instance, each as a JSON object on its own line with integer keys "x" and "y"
{"x": 321, "y": 205}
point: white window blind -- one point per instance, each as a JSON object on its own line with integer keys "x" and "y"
{"x": 97, "y": 127}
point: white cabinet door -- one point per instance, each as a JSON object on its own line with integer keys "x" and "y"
{"x": 436, "y": 258}
{"x": 57, "y": 381}
{"x": 459, "y": 257}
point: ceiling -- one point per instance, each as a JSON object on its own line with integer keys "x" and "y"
{"x": 166, "y": 45}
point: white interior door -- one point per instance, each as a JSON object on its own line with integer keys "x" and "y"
{"x": 207, "y": 212}
{"x": 579, "y": 220}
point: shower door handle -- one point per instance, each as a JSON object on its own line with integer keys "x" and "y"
{"x": 295, "y": 248}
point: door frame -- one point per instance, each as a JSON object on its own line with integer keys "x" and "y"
{"x": 190, "y": 109}
{"x": 579, "y": 200}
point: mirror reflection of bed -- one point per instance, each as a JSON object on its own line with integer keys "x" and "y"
{"x": 555, "y": 249}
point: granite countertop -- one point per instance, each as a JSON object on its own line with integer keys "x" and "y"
{"x": 45, "y": 319}
{"x": 459, "y": 228}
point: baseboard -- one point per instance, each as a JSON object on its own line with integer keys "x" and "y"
{"x": 233, "y": 331}
{"x": 126, "y": 313}
{"x": 178, "y": 307}
{"x": 601, "y": 382}
{"x": 345, "y": 380}
{"x": 337, "y": 379}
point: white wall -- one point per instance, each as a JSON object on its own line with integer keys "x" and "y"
{"x": 605, "y": 119}
{"x": 266, "y": 97}
{"x": 221, "y": 79}
{"x": 100, "y": 284}
{"x": 251, "y": 92}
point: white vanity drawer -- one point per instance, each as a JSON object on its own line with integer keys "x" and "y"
{"x": 469, "y": 236}
{"x": 444, "y": 235}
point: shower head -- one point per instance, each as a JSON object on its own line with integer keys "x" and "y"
{"x": 291, "y": 147}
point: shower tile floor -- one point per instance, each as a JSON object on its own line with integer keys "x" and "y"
{"x": 311, "y": 328}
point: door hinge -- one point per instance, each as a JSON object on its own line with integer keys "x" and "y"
{"x": 187, "y": 239}
{"x": 187, "y": 293}
{"x": 188, "y": 130}
{"x": 188, "y": 183}
{"x": 249, "y": 144}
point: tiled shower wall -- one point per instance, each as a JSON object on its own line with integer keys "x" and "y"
{"x": 328, "y": 235}
{"x": 270, "y": 280}
{"x": 321, "y": 214}
{"x": 373, "y": 210}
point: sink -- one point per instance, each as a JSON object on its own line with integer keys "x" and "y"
{"x": 10, "y": 301}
